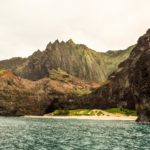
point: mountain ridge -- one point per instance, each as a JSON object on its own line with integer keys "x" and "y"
{"x": 76, "y": 59}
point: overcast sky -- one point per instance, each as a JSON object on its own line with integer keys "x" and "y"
{"x": 28, "y": 25}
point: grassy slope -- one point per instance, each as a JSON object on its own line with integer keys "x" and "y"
{"x": 93, "y": 112}
{"x": 123, "y": 111}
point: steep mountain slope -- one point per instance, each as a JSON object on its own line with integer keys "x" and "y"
{"x": 76, "y": 59}
{"x": 113, "y": 58}
{"x": 129, "y": 86}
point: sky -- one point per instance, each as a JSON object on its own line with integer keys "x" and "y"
{"x": 28, "y": 25}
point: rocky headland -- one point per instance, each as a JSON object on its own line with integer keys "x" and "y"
{"x": 72, "y": 76}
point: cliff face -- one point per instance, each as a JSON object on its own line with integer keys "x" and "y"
{"x": 141, "y": 79}
{"x": 19, "y": 96}
{"x": 129, "y": 86}
{"x": 75, "y": 59}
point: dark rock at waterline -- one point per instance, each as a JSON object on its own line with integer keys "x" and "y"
{"x": 129, "y": 86}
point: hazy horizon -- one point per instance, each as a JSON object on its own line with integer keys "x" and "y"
{"x": 28, "y": 25}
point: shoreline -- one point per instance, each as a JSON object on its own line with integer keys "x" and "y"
{"x": 112, "y": 117}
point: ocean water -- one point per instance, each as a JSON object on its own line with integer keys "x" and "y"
{"x": 72, "y": 134}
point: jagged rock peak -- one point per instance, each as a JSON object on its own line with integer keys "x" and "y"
{"x": 148, "y": 31}
{"x": 70, "y": 41}
{"x": 144, "y": 41}
{"x": 56, "y": 42}
{"x": 36, "y": 53}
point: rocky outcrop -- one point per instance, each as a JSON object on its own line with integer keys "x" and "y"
{"x": 19, "y": 96}
{"x": 75, "y": 59}
{"x": 129, "y": 86}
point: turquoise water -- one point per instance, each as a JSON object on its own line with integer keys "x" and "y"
{"x": 63, "y": 134}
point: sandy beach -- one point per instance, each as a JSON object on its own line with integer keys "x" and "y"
{"x": 112, "y": 117}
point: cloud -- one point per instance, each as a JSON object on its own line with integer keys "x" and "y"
{"x": 28, "y": 25}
